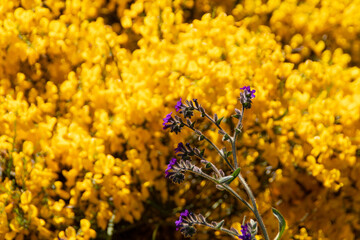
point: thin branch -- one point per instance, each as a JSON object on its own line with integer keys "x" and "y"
{"x": 214, "y": 146}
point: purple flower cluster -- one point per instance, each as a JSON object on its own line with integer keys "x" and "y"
{"x": 178, "y": 105}
{"x": 170, "y": 122}
{"x": 185, "y": 224}
{"x": 179, "y": 222}
{"x": 184, "y": 151}
{"x": 167, "y": 120}
{"x": 245, "y": 233}
{"x": 170, "y": 165}
{"x": 186, "y": 110}
{"x": 246, "y": 96}
{"x": 175, "y": 175}
{"x": 180, "y": 147}
{"x": 248, "y": 89}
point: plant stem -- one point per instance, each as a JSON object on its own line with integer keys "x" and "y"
{"x": 253, "y": 202}
{"x": 253, "y": 208}
{"x": 213, "y": 121}
{"x": 225, "y": 186}
{"x": 242, "y": 180}
{"x": 220, "y": 153}
{"x": 221, "y": 229}
{"x": 214, "y": 146}
{"x": 233, "y": 139}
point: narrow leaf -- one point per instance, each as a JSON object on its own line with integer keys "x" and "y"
{"x": 236, "y": 173}
{"x": 226, "y": 137}
{"x": 220, "y": 224}
{"x": 234, "y": 230}
{"x": 202, "y": 152}
{"x": 282, "y": 223}
{"x": 219, "y": 121}
{"x": 225, "y": 179}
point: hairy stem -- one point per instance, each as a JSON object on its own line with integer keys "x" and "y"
{"x": 225, "y": 230}
{"x": 255, "y": 209}
{"x": 242, "y": 180}
{"x": 226, "y": 187}
{"x": 236, "y": 133}
{"x": 213, "y": 121}
{"x": 214, "y": 146}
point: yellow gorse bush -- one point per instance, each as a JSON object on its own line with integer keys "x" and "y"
{"x": 85, "y": 84}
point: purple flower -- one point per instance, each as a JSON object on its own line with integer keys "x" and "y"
{"x": 248, "y": 89}
{"x": 176, "y": 175}
{"x": 184, "y": 213}
{"x": 245, "y": 233}
{"x": 178, "y": 105}
{"x": 186, "y": 151}
{"x": 169, "y": 167}
{"x": 178, "y": 223}
{"x": 167, "y": 119}
{"x": 174, "y": 125}
{"x": 186, "y": 109}
{"x": 185, "y": 224}
{"x": 180, "y": 147}
{"x": 246, "y": 96}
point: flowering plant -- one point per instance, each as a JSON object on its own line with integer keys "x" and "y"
{"x": 176, "y": 169}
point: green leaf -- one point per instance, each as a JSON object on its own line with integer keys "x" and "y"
{"x": 220, "y": 224}
{"x": 236, "y": 173}
{"x": 208, "y": 165}
{"x": 226, "y": 137}
{"x": 155, "y": 232}
{"x": 228, "y": 154}
{"x": 226, "y": 179}
{"x": 219, "y": 121}
{"x": 230, "y": 178}
{"x": 282, "y": 223}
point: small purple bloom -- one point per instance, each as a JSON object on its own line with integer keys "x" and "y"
{"x": 246, "y": 96}
{"x": 178, "y": 223}
{"x": 185, "y": 224}
{"x": 174, "y": 125}
{"x": 172, "y": 161}
{"x": 248, "y": 89}
{"x": 176, "y": 175}
{"x": 187, "y": 108}
{"x": 167, "y": 119}
{"x": 180, "y": 147}
{"x": 169, "y": 167}
{"x": 178, "y": 105}
{"x": 184, "y": 213}
{"x": 185, "y": 152}
{"x": 245, "y": 87}
{"x": 245, "y": 233}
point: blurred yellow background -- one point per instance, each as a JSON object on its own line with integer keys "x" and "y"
{"x": 85, "y": 84}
